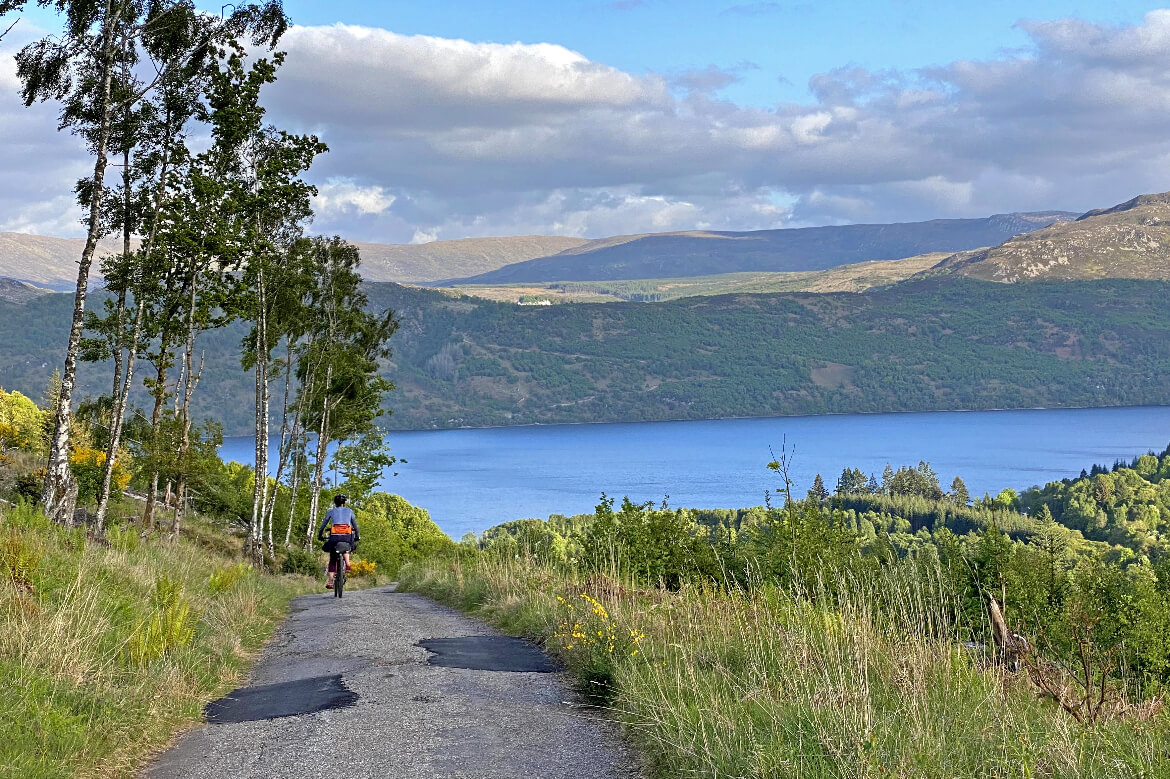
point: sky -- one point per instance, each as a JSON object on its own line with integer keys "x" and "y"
{"x": 454, "y": 119}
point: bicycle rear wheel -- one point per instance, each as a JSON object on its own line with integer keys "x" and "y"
{"x": 339, "y": 579}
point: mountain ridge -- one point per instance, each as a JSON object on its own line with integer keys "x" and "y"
{"x": 1129, "y": 240}
{"x": 51, "y": 262}
{"x": 709, "y": 252}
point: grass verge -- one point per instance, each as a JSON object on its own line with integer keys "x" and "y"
{"x": 764, "y": 684}
{"x": 108, "y": 649}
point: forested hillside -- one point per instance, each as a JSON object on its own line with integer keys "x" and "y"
{"x": 935, "y": 344}
{"x": 942, "y": 343}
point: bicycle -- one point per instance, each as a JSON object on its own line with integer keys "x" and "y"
{"x": 337, "y": 560}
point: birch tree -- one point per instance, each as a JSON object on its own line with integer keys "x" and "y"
{"x": 151, "y": 141}
{"x": 266, "y": 206}
{"x": 340, "y": 365}
{"x": 85, "y": 68}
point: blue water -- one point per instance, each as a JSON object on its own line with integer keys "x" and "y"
{"x": 470, "y": 480}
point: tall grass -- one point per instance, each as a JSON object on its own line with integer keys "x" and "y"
{"x": 108, "y": 648}
{"x": 858, "y": 679}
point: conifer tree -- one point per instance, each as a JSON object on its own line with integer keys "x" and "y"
{"x": 959, "y": 495}
{"x": 818, "y": 492}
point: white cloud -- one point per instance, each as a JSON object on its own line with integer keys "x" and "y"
{"x": 58, "y": 216}
{"x": 8, "y": 80}
{"x": 336, "y": 198}
{"x": 38, "y": 165}
{"x": 425, "y": 82}
{"x": 438, "y": 138}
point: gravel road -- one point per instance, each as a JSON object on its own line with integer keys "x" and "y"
{"x": 344, "y": 686}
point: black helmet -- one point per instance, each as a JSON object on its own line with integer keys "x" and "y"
{"x": 339, "y": 500}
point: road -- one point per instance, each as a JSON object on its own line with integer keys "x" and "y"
{"x": 345, "y": 689}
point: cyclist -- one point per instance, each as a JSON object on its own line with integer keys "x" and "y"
{"x": 341, "y": 524}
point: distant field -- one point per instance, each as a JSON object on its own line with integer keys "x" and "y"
{"x": 845, "y": 278}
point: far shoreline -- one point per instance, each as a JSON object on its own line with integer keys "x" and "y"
{"x": 392, "y": 431}
{"x": 525, "y": 425}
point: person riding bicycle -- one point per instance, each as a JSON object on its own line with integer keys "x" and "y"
{"x": 342, "y": 526}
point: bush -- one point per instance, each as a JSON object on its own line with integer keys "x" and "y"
{"x": 28, "y": 486}
{"x": 27, "y": 517}
{"x": 363, "y": 568}
{"x": 301, "y": 561}
{"x": 592, "y": 643}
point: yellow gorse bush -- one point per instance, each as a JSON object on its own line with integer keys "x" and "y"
{"x": 363, "y": 568}
{"x": 84, "y": 456}
{"x": 592, "y": 628}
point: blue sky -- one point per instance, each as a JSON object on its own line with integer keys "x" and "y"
{"x": 457, "y": 119}
{"x": 783, "y": 43}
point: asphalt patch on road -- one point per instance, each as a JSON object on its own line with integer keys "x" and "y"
{"x": 284, "y": 699}
{"x": 488, "y": 653}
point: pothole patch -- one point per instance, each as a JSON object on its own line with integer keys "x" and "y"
{"x": 487, "y": 653}
{"x": 283, "y": 699}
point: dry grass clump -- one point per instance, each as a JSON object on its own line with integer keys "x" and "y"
{"x": 107, "y": 649}
{"x": 767, "y": 683}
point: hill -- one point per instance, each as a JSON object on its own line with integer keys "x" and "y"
{"x": 431, "y": 262}
{"x": 699, "y": 253}
{"x": 924, "y": 344}
{"x": 19, "y": 291}
{"x": 52, "y": 262}
{"x": 843, "y": 278}
{"x": 1130, "y": 240}
{"x": 921, "y": 345}
{"x": 45, "y": 261}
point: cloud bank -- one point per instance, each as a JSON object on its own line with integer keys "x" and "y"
{"x": 440, "y": 138}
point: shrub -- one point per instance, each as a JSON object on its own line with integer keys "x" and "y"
{"x": 28, "y": 486}
{"x": 363, "y": 568}
{"x": 88, "y": 467}
{"x": 593, "y": 643}
{"x": 27, "y": 517}
{"x": 301, "y": 561}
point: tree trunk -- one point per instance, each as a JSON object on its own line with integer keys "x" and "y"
{"x": 260, "y": 481}
{"x": 122, "y": 393}
{"x": 300, "y": 458}
{"x": 111, "y": 446}
{"x": 298, "y": 446}
{"x": 120, "y": 364}
{"x": 294, "y": 489}
{"x": 185, "y": 409}
{"x": 319, "y": 465}
{"x": 155, "y": 443}
{"x": 116, "y": 418}
{"x": 287, "y": 439}
{"x": 59, "y": 496}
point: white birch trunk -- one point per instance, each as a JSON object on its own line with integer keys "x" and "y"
{"x": 59, "y": 496}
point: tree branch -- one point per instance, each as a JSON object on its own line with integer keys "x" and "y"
{"x": 2, "y": 34}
